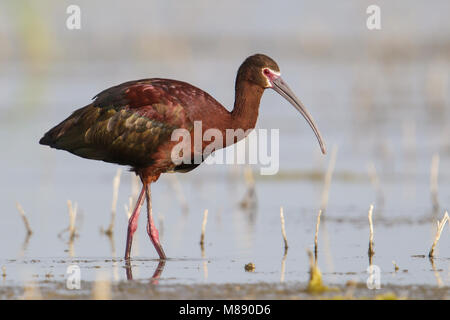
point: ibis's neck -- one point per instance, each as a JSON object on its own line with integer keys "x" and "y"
{"x": 246, "y": 105}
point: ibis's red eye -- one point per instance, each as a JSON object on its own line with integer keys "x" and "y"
{"x": 266, "y": 72}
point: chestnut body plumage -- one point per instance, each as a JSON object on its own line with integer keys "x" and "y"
{"x": 132, "y": 123}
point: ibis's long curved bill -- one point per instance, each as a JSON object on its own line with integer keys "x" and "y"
{"x": 283, "y": 89}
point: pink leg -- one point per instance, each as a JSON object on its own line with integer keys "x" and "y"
{"x": 133, "y": 222}
{"x": 151, "y": 229}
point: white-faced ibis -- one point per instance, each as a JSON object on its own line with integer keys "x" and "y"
{"x": 131, "y": 124}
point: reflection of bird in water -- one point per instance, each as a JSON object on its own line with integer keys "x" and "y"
{"x": 132, "y": 124}
{"x": 156, "y": 275}
{"x": 250, "y": 201}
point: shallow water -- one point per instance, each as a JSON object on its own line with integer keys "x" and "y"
{"x": 375, "y": 109}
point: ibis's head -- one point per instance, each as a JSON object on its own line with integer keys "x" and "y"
{"x": 264, "y": 72}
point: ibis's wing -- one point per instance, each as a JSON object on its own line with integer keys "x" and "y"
{"x": 125, "y": 124}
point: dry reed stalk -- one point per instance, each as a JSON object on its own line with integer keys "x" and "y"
{"x": 205, "y": 270}
{"x": 129, "y": 208}
{"x": 351, "y": 288}
{"x": 283, "y": 229}
{"x": 24, "y": 219}
{"x": 116, "y": 184}
{"x": 3, "y": 271}
{"x": 371, "y": 251}
{"x": 434, "y": 172}
{"x": 205, "y": 219}
{"x": 72, "y": 217}
{"x": 316, "y": 236}
{"x": 328, "y": 177}
{"x": 102, "y": 287}
{"x": 440, "y": 228}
